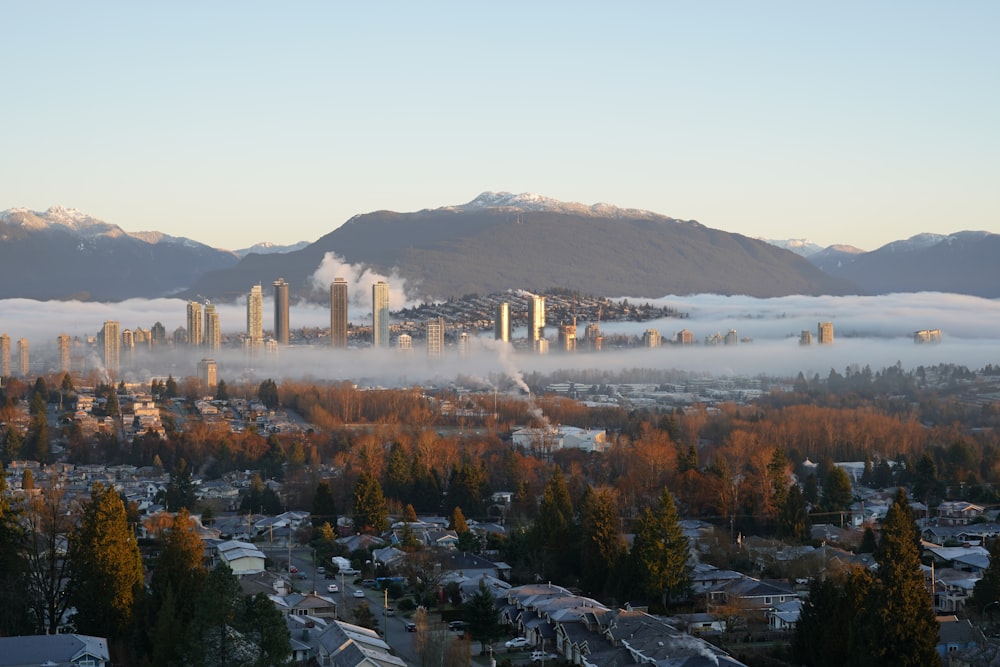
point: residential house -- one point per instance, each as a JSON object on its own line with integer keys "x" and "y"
{"x": 957, "y": 513}
{"x": 342, "y": 644}
{"x": 54, "y": 650}
{"x": 242, "y": 557}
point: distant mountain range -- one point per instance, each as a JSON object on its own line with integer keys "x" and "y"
{"x": 63, "y": 253}
{"x": 495, "y": 242}
{"x": 503, "y": 241}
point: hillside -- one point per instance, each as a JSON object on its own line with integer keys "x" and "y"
{"x": 501, "y": 241}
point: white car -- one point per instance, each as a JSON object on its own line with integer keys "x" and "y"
{"x": 332, "y": 588}
{"x": 359, "y": 593}
{"x": 516, "y": 642}
{"x": 539, "y": 656}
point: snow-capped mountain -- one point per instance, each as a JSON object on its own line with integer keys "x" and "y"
{"x": 526, "y": 201}
{"x": 963, "y": 262}
{"x": 64, "y": 253}
{"x": 265, "y": 248}
{"x": 802, "y": 247}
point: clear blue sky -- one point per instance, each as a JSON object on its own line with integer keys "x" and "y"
{"x": 238, "y": 122}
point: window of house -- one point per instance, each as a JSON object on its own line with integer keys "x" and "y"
{"x": 767, "y": 600}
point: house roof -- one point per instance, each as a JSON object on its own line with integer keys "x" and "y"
{"x": 50, "y": 649}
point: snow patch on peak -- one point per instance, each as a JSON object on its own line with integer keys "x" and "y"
{"x": 917, "y": 242}
{"x": 803, "y": 247}
{"x": 527, "y": 201}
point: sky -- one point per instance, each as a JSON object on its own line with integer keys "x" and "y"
{"x": 234, "y": 123}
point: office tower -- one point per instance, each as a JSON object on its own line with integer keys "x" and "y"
{"x": 806, "y": 338}
{"x": 213, "y": 330}
{"x": 684, "y": 337}
{"x": 732, "y": 338}
{"x": 5, "y": 356}
{"x": 112, "y": 347}
{"x": 194, "y": 330}
{"x": 536, "y": 319}
{"x": 128, "y": 347}
{"x": 143, "y": 338}
{"x": 435, "y": 338}
{"x": 157, "y": 335}
{"x": 595, "y": 341}
{"x": 824, "y": 333}
{"x": 464, "y": 344}
{"x": 255, "y": 317}
{"x": 208, "y": 373}
{"x": 501, "y": 323}
{"x": 404, "y": 342}
{"x": 380, "y": 314}
{"x": 338, "y": 313}
{"x": 567, "y": 337}
{"x": 63, "y": 344}
{"x": 23, "y": 361}
{"x": 281, "y": 311}
{"x": 651, "y": 338}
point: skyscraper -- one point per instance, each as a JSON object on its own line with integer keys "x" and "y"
{"x": 501, "y": 323}
{"x": 255, "y": 316}
{"x": 536, "y": 322}
{"x": 23, "y": 360}
{"x": 213, "y": 331}
{"x": 567, "y": 337}
{"x": 380, "y": 314}
{"x": 157, "y": 335}
{"x": 64, "y": 357}
{"x": 208, "y": 373}
{"x": 194, "y": 330}
{"x": 281, "y": 311}
{"x": 5, "y": 356}
{"x": 128, "y": 347}
{"x": 435, "y": 338}
{"x": 112, "y": 347}
{"x": 651, "y": 338}
{"x": 824, "y": 333}
{"x": 338, "y": 313}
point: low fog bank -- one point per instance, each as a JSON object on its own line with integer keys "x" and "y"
{"x": 872, "y": 331}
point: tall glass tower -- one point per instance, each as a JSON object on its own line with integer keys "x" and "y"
{"x": 281, "y": 311}
{"x": 338, "y": 313}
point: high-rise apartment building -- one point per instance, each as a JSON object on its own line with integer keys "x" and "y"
{"x": 501, "y": 323}
{"x": 128, "y": 347}
{"x": 143, "y": 338}
{"x": 380, "y": 314}
{"x": 281, "y": 311}
{"x": 194, "y": 329}
{"x": 213, "y": 330}
{"x": 112, "y": 347}
{"x": 338, "y": 313}
{"x": 63, "y": 343}
{"x": 404, "y": 342}
{"x": 684, "y": 337}
{"x": 4, "y": 355}
{"x": 179, "y": 337}
{"x": 567, "y": 337}
{"x": 824, "y": 333}
{"x": 435, "y": 338}
{"x": 23, "y": 358}
{"x": 651, "y": 338}
{"x": 806, "y": 338}
{"x": 464, "y": 344}
{"x": 255, "y": 317}
{"x": 732, "y": 338}
{"x": 208, "y": 373}
{"x": 536, "y": 319}
{"x": 595, "y": 341}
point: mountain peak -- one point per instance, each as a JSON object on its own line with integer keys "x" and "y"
{"x": 526, "y": 202}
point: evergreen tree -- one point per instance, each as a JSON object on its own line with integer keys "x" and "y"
{"x": 263, "y": 625}
{"x": 178, "y": 575}
{"x": 370, "y": 512}
{"x": 105, "y": 581}
{"x": 398, "y": 472}
{"x": 553, "y": 530}
{"x": 324, "y": 510}
{"x": 824, "y": 625}
{"x": 601, "y": 542}
{"x": 180, "y": 493}
{"x": 837, "y": 494}
{"x": 896, "y": 625}
{"x": 170, "y": 389}
{"x": 12, "y": 445}
{"x": 483, "y": 617}
{"x": 458, "y": 522}
{"x": 987, "y": 589}
{"x": 267, "y": 392}
{"x": 660, "y": 551}
{"x": 793, "y": 519}
{"x": 15, "y": 612}
{"x": 211, "y": 640}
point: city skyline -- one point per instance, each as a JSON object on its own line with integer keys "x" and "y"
{"x": 779, "y": 121}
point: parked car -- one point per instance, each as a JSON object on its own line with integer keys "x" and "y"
{"x": 538, "y": 656}
{"x": 320, "y": 570}
{"x": 332, "y": 588}
{"x": 456, "y": 626}
{"x": 411, "y": 626}
{"x": 358, "y": 593}
{"x": 389, "y": 611}
{"x": 369, "y": 583}
{"x": 516, "y": 642}
{"x": 292, "y": 569}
